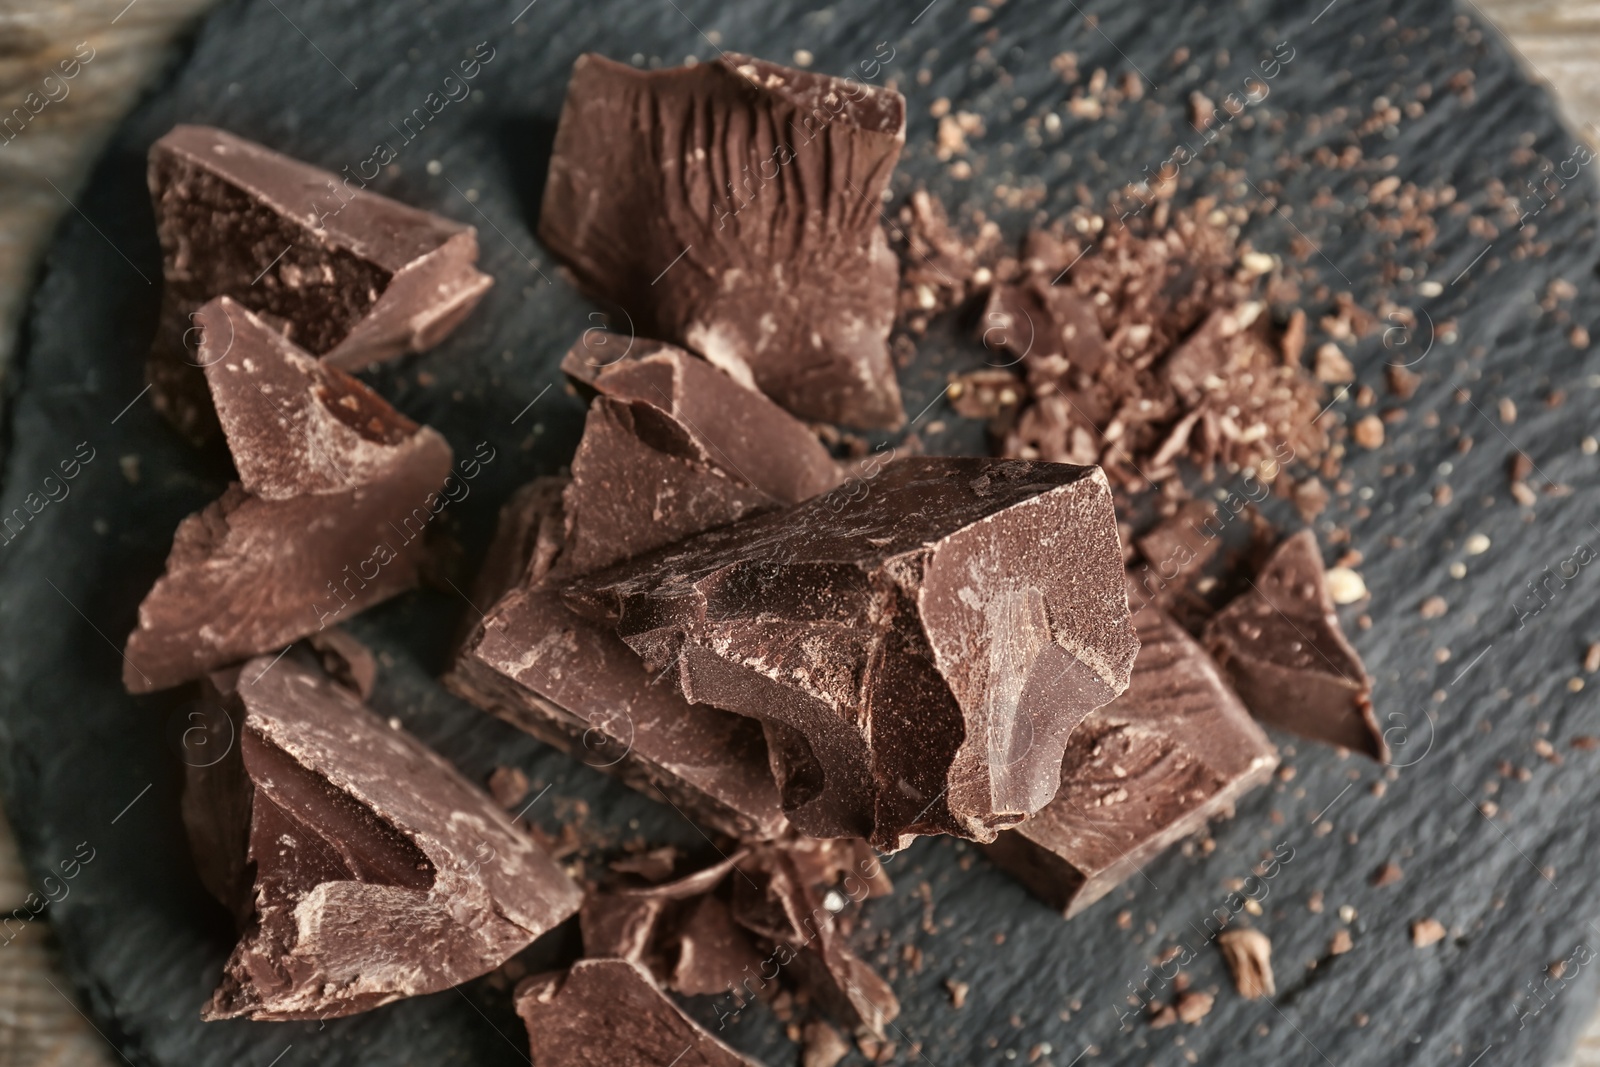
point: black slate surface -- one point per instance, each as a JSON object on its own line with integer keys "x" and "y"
{"x": 85, "y": 763}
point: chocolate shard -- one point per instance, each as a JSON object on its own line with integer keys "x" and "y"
{"x": 572, "y": 683}
{"x": 1148, "y": 769}
{"x": 781, "y": 908}
{"x": 620, "y": 927}
{"x": 1281, "y": 646}
{"x": 337, "y": 491}
{"x": 918, "y": 653}
{"x": 347, "y": 274}
{"x": 611, "y": 1012}
{"x": 732, "y": 207}
{"x": 639, "y": 481}
{"x": 379, "y": 871}
{"x": 714, "y": 953}
{"x": 735, "y": 428}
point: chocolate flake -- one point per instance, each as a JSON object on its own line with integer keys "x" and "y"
{"x": 732, "y": 207}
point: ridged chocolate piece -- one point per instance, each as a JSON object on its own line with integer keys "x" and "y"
{"x": 1145, "y": 771}
{"x": 610, "y": 1012}
{"x": 378, "y": 871}
{"x": 733, "y": 207}
{"x": 572, "y": 683}
{"x": 347, "y": 274}
{"x": 335, "y": 494}
{"x": 1281, "y": 645}
{"x": 918, "y": 653}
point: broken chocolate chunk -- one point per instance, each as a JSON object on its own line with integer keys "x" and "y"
{"x": 917, "y": 653}
{"x": 639, "y": 481}
{"x": 346, "y": 274}
{"x": 379, "y": 872}
{"x": 336, "y": 491}
{"x": 1150, "y": 768}
{"x": 674, "y": 446}
{"x": 572, "y": 683}
{"x": 732, "y": 207}
{"x": 779, "y": 905}
{"x": 731, "y": 427}
{"x": 346, "y": 660}
{"x": 1281, "y": 645}
{"x": 611, "y": 1012}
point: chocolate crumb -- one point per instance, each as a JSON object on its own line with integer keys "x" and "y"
{"x": 1388, "y": 874}
{"x": 1248, "y": 953}
{"x": 1425, "y": 932}
{"x": 1368, "y": 432}
{"x": 1194, "y": 1006}
{"x": 507, "y": 785}
{"x": 958, "y": 992}
{"x": 1340, "y": 944}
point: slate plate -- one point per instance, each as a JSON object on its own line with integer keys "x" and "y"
{"x": 86, "y": 764}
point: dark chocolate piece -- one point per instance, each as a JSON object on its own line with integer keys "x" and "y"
{"x": 714, "y": 954}
{"x": 918, "y": 653}
{"x": 733, "y": 427}
{"x": 335, "y": 494}
{"x": 572, "y": 683}
{"x": 1146, "y": 770}
{"x": 379, "y": 871}
{"x": 1281, "y": 646}
{"x": 620, "y": 927}
{"x": 610, "y": 1012}
{"x": 733, "y": 207}
{"x": 347, "y": 274}
{"x": 639, "y": 482}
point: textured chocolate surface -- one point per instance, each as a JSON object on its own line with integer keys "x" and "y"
{"x": 734, "y": 428}
{"x": 1144, "y": 771}
{"x": 609, "y": 1013}
{"x": 335, "y": 494}
{"x": 379, "y": 872}
{"x": 1281, "y": 646}
{"x": 765, "y": 183}
{"x": 347, "y": 274}
{"x": 674, "y": 446}
{"x": 753, "y": 924}
{"x": 917, "y": 653}
{"x": 571, "y": 682}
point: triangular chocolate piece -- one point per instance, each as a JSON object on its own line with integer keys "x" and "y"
{"x": 1281, "y": 645}
{"x": 339, "y": 490}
